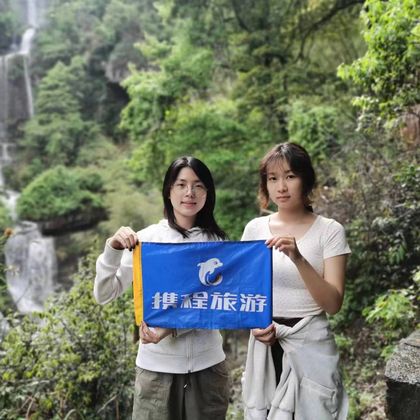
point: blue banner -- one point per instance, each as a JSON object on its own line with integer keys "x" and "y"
{"x": 214, "y": 285}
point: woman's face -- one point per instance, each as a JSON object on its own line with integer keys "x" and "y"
{"x": 188, "y": 196}
{"x": 284, "y": 187}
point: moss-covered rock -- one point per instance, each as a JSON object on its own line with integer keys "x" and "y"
{"x": 63, "y": 199}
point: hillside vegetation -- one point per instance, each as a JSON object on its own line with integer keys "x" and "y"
{"x": 122, "y": 87}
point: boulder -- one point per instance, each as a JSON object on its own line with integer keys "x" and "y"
{"x": 402, "y": 374}
{"x": 73, "y": 222}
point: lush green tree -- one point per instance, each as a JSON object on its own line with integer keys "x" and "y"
{"x": 388, "y": 74}
{"x": 317, "y": 128}
{"x": 185, "y": 70}
{"x": 222, "y": 85}
{"x": 104, "y": 32}
{"x": 69, "y": 31}
{"x": 380, "y": 174}
{"x": 58, "y": 131}
{"x": 211, "y": 132}
{"x": 74, "y": 360}
{"x": 62, "y": 192}
{"x": 376, "y": 195}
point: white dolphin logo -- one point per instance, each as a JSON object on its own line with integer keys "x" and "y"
{"x": 207, "y": 268}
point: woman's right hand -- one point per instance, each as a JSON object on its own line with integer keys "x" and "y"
{"x": 153, "y": 335}
{"x": 124, "y": 237}
{"x": 266, "y": 336}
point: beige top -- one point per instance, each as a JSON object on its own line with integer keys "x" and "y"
{"x": 324, "y": 239}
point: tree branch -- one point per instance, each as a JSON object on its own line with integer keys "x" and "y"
{"x": 338, "y": 7}
{"x": 241, "y": 22}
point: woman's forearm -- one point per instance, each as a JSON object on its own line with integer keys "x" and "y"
{"x": 328, "y": 294}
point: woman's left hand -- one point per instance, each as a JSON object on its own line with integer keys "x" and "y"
{"x": 285, "y": 244}
{"x": 148, "y": 335}
{"x": 266, "y": 336}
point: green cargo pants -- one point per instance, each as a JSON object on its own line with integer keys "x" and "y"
{"x": 202, "y": 395}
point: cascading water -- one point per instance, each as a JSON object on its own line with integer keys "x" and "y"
{"x": 32, "y": 267}
{"x": 30, "y": 258}
{"x": 4, "y": 326}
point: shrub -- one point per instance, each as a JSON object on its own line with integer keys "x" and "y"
{"x": 59, "y": 192}
{"x": 395, "y": 313}
{"x": 76, "y": 358}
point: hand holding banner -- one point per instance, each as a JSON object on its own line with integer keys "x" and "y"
{"x": 214, "y": 285}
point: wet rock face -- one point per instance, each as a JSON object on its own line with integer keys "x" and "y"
{"x": 16, "y": 95}
{"x": 403, "y": 380}
{"x": 72, "y": 223}
{"x": 31, "y": 267}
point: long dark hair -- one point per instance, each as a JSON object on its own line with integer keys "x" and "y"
{"x": 300, "y": 163}
{"x": 205, "y": 218}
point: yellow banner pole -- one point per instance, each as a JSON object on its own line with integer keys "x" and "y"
{"x": 137, "y": 284}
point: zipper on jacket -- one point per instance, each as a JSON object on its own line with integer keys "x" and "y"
{"x": 189, "y": 342}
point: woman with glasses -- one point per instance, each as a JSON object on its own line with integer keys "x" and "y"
{"x": 292, "y": 365}
{"x": 180, "y": 374}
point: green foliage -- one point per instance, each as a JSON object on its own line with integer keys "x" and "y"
{"x": 220, "y": 87}
{"x": 316, "y": 128}
{"x": 388, "y": 73}
{"x": 58, "y": 132}
{"x": 94, "y": 29}
{"x": 5, "y": 219}
{"x": 104, "y": 32}
{"x": 376, "y": 191}
{"x": 394, "y": 309}
{"x": 61, "y": 192}
{"x": 225, "y": 80}
{"x": 395, "y": 313}
{"x": 275, "y": 59}
{"x": 197, "y": 128}
{"x": 69, "y": 31}
{"x": 127, "y": 204}
{"x": 209, "y": 131}
{"x": 9, "y": 25}
{"x": 75, "y": 360}
{"x": 186, "y": 69}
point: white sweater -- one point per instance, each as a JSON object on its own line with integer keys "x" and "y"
{"x": 191, "y": 350}
{"x": 310, "y": 384}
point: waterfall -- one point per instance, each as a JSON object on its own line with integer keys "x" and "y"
{"x": 4, "y": 104}
{"x": 31, "y": 263}
{"x": 4, "y": 326}
{"x": 31, "y": 14}
{"x": 31, "y": 267}
{"x": 16, "y": 101}
{"x": 25, "y": 49}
